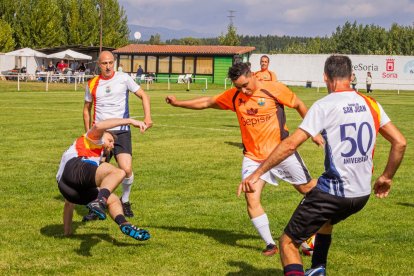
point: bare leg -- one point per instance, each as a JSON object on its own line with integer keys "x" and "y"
{"x": 305, "y": 188}
{"x": 254, "y": 206}
{"x": 125, "y": 163}
{"x": 67, "y": 218}
{"x": 289, "y": 253}
{"x": 108, "y": 177}
{"x": 114, "y": 206}
{"x": 259, "y": 218}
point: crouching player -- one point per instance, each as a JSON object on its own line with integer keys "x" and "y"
{"x": 83, "y": 179}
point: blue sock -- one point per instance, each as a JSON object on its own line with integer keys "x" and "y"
{"x": 320, "y": 250}
{"x": 293, "y": 270}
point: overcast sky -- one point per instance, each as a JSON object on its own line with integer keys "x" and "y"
{"x": 275, "y": 17}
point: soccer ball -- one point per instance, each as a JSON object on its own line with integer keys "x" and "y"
{"x": 307, "y": 246}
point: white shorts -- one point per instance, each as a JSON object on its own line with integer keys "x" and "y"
{"x": 292, "y": 170}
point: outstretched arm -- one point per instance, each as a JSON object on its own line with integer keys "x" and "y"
{"x": 146, "y": 105}
{"x": 196, "y": 103}
{"x": 87, "y": 115}
{"x": 97, "y": 131}
{"x": 382, "y": 185}
{"x": 286, "y": 148}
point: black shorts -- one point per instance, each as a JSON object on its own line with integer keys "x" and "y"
{"x": 77, "y": 183}
{"x": 318, "y": 207}
{"x": 122, "y": 143}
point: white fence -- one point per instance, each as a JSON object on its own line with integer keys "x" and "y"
{"x": 76, "y": 79}
{"x": 321, "y": 84}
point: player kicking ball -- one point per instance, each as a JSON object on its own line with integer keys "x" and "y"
{"x": 260, "y": 108}
{"x": 83, "y": 179}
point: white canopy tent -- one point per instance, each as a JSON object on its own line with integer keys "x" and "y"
{"x": 69, "y": 55}
{"x": 32, "y": 58}
{"x": 26, "y": 52}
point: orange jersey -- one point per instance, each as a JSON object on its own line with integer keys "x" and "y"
{"x": 261, "y": 116}
{"x": 266, "y": 75}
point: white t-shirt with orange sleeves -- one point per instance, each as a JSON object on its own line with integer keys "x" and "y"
{"x": 110, "y": 97}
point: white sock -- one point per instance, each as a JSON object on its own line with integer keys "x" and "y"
{"x": 126, "y": 188}
{"x": 261, "y": 223}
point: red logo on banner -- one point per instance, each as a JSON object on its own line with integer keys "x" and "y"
{"x": 389, "y": 66}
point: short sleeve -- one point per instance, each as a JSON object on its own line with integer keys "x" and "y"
{"x": 384, "y": 119}
{"x": 225, "y": 99}
{"x": 313, "y": 123}
{"x": 88, "y": 95}
{"x": 131, "y": 84}
{"x": 285, "y": 95}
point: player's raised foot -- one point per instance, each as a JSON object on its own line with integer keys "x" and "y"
{"x": 135, "y": 232}
{"x": 126, "y": 206}
{"x": 90, "y": 217}
{"x": 98, "y": 207}
{"x": 317, "y": 271}
{"x": 270, "y": 250}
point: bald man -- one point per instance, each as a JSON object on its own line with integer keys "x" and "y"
{"x": 108, "y": 94}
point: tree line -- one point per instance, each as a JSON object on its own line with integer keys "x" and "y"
{"x": 49, "y": 23}
{"x": 350, "y": 38}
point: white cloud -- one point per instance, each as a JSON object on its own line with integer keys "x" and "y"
{"x": 294, "y": 17}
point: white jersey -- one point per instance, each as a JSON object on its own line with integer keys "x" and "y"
{"x": 349, "y": 123}
{"x": 91, "y": 152}
{"x": 110, "y": 97}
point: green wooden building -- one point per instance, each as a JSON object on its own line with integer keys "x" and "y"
{"x": 171, "y": 61}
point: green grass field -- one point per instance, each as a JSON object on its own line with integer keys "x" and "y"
{"x": 187, "y": 168}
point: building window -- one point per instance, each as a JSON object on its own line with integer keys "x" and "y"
{"x": 204, "y": 65}
{"x": 151, "y": 64}
{"x": 163, "y": 64}
{"x": 138, "y": 60}
{"x": 126, "y": 63}
{"x": 177, "y": 65}
{"x": 189, "y": 65}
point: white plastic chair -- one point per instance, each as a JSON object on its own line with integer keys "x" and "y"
{"x": 181, "y": 79}
{"x": 187, "y": 78}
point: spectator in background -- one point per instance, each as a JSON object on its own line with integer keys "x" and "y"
{"x": 369, "y": 82}
{"x": 51, "y": 68}
{"x": 265, "y": 74}
{"x": 120, "y": 68}
{"x": 62, "y": 66}
{"x": 82, "y": 70}
{"x": 151, "y": 77}
{"x": 39, "y": 70}
{"x": 140, "y": 71}
{"x": 354, "y": 81}
{"x": 74, "y": 66}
